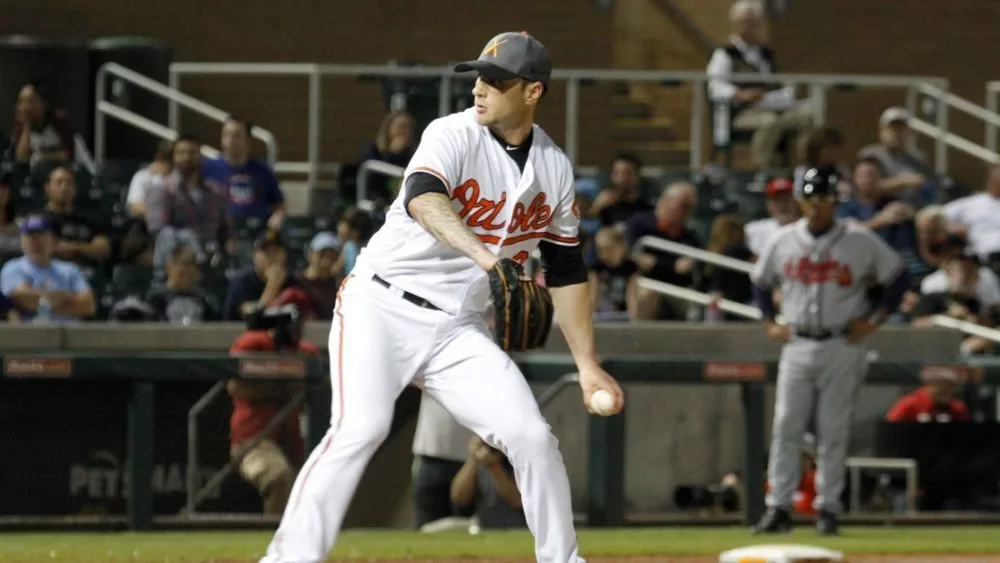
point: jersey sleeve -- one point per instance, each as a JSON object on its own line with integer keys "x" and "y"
{"x": 440, "y": 153}
{"x": 765, "y": 269}
{"x": 886, "y": 263}
{"x": 565, "y": 226}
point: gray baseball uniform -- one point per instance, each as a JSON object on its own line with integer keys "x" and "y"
{"x": 824, "y": 283}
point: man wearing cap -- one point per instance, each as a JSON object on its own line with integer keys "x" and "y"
{"x": 905, "y": 168}
{"x": 41, "y": 285}
{"x": 261, "y": 283}
{"x": 781, "y": 210}
{"x": 485, "y": 189}
{"x": 933, "y": 402}
{"x": 318, "y": 279}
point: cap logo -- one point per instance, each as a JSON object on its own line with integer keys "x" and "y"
{"x": 491, "y": 50}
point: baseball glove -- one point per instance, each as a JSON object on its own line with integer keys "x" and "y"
{"x": 522, "y": 310}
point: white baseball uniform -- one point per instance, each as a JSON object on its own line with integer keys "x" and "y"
{"x": 380, "y": 341}
{"x": 824, "y": 282}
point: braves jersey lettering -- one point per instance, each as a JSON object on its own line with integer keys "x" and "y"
{"x": 509, "y": 210}
{"x": 808, "y": 272}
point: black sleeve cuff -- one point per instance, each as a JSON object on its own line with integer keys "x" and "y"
{"x": 563, "y": 264}
{"x": 421, "y": 183}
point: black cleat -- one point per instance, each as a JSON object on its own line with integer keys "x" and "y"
{"x": 774, "y": 521}
{"x": 827, "y": 525}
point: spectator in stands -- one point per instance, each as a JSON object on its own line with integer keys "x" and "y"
{"x": 180, "y": 300}
{"x": 270, "y": 463}
{"x": 78, "y": 240}
{"x": 187, "y": 212}
{"x": 728, "y": 239}
{"x": 263, "y": 282}
{"x": 10, "y": 238}
{"x": 874, "y": 207}
{"x": 932, "y": 235}
{"x": 486, "y": 482}
{"x": 824, "y": 148}
{"x": 353, "y": 230}
{"x": 319, "y": 279}
{"x": 962, "y": 272}
{"x": 781, "y": 210}
{"x": 587, "y": 190}
{"x": 978, "y": 217}
{"x": 248, "y": 183}
{"x": 763, "y": 106}
{"x": 150, "y": 180}
{"x": 964, "y": 291}
{"x": 394, "y": 143}
{"x": 934, "y": 402}
{"x": 668, "y": 220}
{"x": 624, "y": 197}
{"x": 41, "y": 134}
{"x": 8, "y": 310}
{"x": 905, "y": 168}
{"x": 614, "y": 277}
{"x": 45, "y": 288}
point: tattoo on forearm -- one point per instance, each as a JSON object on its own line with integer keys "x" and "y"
{"x": 433, "y": 212}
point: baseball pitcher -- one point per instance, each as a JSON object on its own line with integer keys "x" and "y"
{"x": 825, "y": 269}
{"x": 484, "y": 188}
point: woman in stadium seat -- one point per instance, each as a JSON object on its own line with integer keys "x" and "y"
{"x": 41, "y": 135}
{"x": 394, "y": 143}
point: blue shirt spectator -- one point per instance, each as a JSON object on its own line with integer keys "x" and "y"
{"x": 890, "y": 218}
{"x": 249, "y": 184}
{"x": 36, "y": 281}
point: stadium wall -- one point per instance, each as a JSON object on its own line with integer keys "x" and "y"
{"x": 578, "y": 34}
{"x": 688, "y": 416}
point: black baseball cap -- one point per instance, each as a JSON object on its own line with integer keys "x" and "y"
{"x": 819, "y": 182}
{"x": 512, "y": 55}
{"x": 269, "y": 238}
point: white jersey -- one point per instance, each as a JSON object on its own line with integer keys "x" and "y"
{"x": 508, "y": 210}
{"x": 978, "y": 215}
{"x": 824, "y": 281}
{"x": 987, "y": 288}
{"x": 758, "y": 233}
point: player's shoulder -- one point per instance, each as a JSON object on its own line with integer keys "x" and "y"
{"x": 458, "y": 123}
{"x": 552, "y": 156}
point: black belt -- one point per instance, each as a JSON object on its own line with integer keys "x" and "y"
{"x": 415, "y": 299}
{"x": 820, "y": 335}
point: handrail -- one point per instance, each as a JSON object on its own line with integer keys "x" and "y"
{"x": 960, "y": 103}
{"x": 953, "y": 140}
{"x": 574, "y": 78}
{"x": 147, "y": 125}
{"x": 743, "y": 266}
{"x": 170, "y": 94}
{"x": 378, "y": 166}
{"x": 992, "y": 88}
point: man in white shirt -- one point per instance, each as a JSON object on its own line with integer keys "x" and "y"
{"x": 150, "y": 179}
{"x": 978, "y": 217}
{"x": 765, "y": 107}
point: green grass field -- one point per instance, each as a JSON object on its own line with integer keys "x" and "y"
{"x": 191, "y": 547}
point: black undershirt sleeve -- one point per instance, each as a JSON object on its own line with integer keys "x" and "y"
{"x": 422, "y": 183}
{"x": 563, "y": 264}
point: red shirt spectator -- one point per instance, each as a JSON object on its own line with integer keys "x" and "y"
{"x": 250, "y": 416}
{"x": 928, "y": 404}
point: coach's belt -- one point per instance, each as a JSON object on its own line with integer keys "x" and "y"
{"x": 415, "y": 299}
{"x": 825, "y": 334}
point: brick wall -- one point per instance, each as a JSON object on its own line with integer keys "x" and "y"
{"x": 913, "y": 37}
{"x": 342, "y": 31}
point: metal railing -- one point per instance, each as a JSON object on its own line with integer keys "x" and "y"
{"x": 174, "y": 97}
{"x": 748, "y": 311}
{"x": 992, "y": 88}
{"x": 147, "y": 125}
{"x": 939, "y": 129}
{"x": 818, "y": 85}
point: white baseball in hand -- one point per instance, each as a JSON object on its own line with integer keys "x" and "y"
{"x": 602, "y": 402}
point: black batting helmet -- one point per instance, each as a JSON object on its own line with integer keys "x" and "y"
{"x": 819, "y": 182}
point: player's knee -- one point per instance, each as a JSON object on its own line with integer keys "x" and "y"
{"x": 374, "y": 431}
{"x": 531, "y": 438}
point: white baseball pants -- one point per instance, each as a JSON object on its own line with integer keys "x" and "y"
{"x": 380, "y": 343}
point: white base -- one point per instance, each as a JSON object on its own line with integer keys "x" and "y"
{"x": 780, "y": 554}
